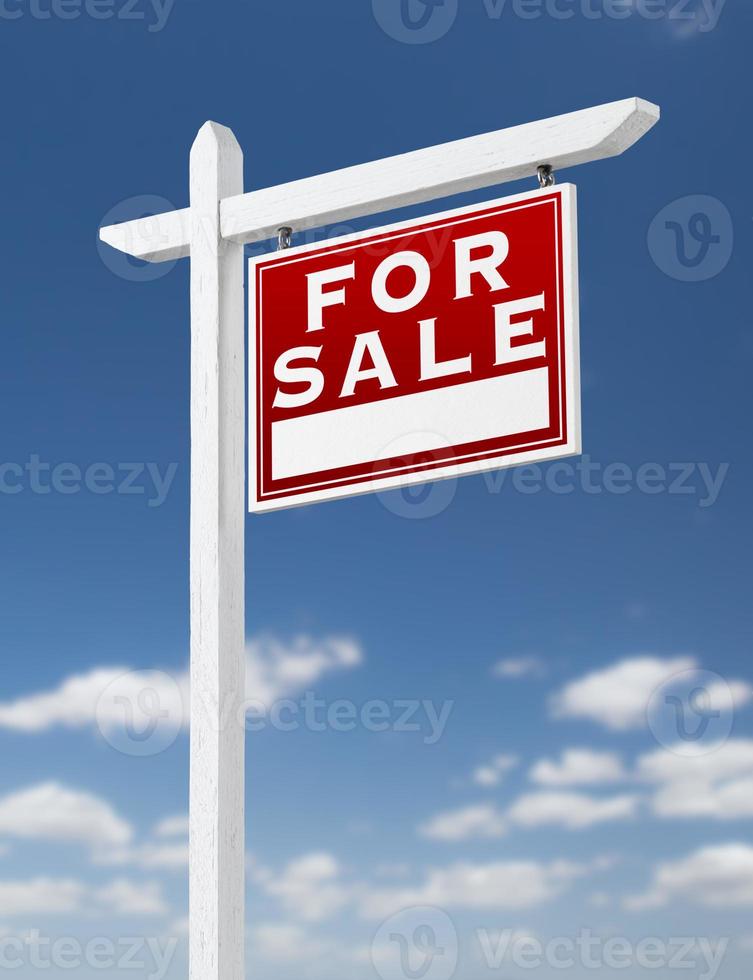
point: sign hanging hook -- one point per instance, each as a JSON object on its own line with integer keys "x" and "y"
{"x": 284, "y": 237}
{"x": 546, "y": 176}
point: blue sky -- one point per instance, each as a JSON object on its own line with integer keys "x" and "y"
{"x": 501, "y": 606}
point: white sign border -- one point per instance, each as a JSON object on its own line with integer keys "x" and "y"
{"x": 571, "y": 353}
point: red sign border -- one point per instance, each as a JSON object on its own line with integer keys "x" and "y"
{"x": 567, "y": 444}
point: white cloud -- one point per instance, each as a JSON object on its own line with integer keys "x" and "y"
{"x": 274, "y": 670}
{"x": 62, "y": 896}
{"x": 718, "y": 785}
{"x": 618, "y": 696}
{"x": 496, "y": 886}
{"x": 493, "y": 772}
{"x": 481, "y": 821}
{"x": 173, "y": 826}
{"x": 149, "y": 856}
{"x": 579, "y": 767}
{"x": 168, "y": 850}
{"x": 729, "y": 759}
{"x": 124, "y": 897}
{"x": 720, "y": 876}
{"x": 71, "y": 704}
{"x": 574, "y": 811}
{"x": 74, "y": 703}
{"x": 165, "y": 856}
{"x": 287, "y": 942}
{"x": 308, "y": 888}
{"x": 315, "y": 887}
{"x": 277, "y": 670}
{"x": 720, "y": 693}
{"x": 53, "y": 812}
{"x": 517, "y": 667}
{"x": 41, "y": 896}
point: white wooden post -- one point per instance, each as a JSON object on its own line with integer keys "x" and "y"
{"x": 212, "y": 231}
{"x": 217, "y": 851}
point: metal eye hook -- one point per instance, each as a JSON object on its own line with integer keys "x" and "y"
{"x": 546, "y": 176}
{"x": 284, "y": 238}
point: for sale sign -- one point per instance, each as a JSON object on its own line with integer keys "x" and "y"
{"x": 416, "y": 352}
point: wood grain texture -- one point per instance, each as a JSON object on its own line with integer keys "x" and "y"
{"x": 217, "y": 851}
{"x": 411, "y": 178}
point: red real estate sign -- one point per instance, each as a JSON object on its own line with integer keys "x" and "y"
{"x": 415, "y": 352}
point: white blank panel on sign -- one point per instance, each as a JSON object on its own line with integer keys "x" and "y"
{"x": 444, "y": 417}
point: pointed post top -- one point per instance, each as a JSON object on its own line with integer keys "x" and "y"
{"x": 214, "y": 134}
{"x": 216, "y": 167}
